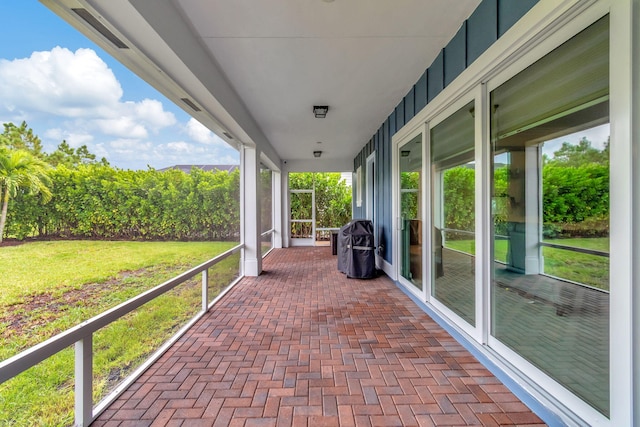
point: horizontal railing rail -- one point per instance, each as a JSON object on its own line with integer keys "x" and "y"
{"x": 547, "y": 244}
{"x": 453, "y": 230}
{"x": 81, "y": 336}
{"x": 268, "y": 232}
{"x": 471, "y": 233}
{"x": 328, "y": 229}
{"x": 576, "y": 249}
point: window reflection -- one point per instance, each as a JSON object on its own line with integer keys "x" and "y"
{"x": 411, "y": 210}
{"x": 453, "y": 213}
{"x": 550, "y": 208}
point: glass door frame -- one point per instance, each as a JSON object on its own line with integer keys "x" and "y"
{"x": 493, "y": 68}
{"x": 298, "y": 241}
{"x": 425, "y": 206}
{"x": 481, "y": 210}
{"x": 541, "y": 380}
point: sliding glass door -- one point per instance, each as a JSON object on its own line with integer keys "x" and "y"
{"x": 453, "y": 196}
{"x": 550, "y": 202}
{"x": 410, "y": 170}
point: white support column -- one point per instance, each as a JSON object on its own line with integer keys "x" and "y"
{"x": 84, "y": 381}
{"x": 278, "y": 220}
{"x": 533, "y": 208}
{"x": 635, "y": 136}
{"x": 205, "y": 290}
{"x": 483, "y": 220}
{"x": 623, "y": 267}
{"x": 250, "y": 211}
{"x": 286, "y": 214}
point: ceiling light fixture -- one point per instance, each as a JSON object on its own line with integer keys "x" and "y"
{"x": 405, "y": 153}
{"x": 317, "y": 153}
{"x": 320, "y": 111}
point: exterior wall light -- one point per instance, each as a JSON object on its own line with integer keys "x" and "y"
{"x": 317, "y": 153}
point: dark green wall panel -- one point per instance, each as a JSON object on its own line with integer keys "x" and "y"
{"x": 409, "y": 105}
{"x": 491, "y": 19}
{"x": 455, "y": 55}
{"x": 435, "y": 77}
{"x": 482, "y": 29}
{"x": 392, "y": 123}
{"x": 421, "y": 93}
{"x": 510, "y": 11}
{"x": 400, "y": 115}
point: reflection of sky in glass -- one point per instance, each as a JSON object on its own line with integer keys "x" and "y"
{"x": 597, "y": 135}
{"x": 501, "y": 159}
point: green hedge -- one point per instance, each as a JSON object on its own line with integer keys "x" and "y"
{"x": 575, "y": 199}
{"x": 99, "y": 202}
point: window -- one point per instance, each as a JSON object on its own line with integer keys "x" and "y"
{"x": 550, "y": 209}
{"x": 453, "y": 213}
{"x": 411, "y": 211}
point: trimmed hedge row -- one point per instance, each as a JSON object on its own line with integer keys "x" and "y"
{"x": 575, "y": 199}
{"x": 98, "y": 202}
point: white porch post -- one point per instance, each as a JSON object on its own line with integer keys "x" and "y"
{"x": 278, "y": 219}
{"x": 250, "y": 211}
{"x": 84, "y": 381}
{"x": 284, "y": 203}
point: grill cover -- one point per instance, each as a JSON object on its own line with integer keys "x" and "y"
{"x": 356, "y": 249}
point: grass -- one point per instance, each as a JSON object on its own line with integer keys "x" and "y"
{"x": 48, "y": 287}
{"x": 59, "y": 266}
{"x": 588, "y": 269}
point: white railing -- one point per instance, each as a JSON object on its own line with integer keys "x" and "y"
{"x": 320, "y": 232}
{"x": 82, "y": 337}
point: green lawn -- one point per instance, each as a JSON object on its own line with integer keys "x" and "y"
{"x": 591, "y": 270}
{"x": 48, "y": 287}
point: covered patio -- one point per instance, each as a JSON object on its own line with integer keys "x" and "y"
{"x": 303, "y": 345}
{"x": 401, "y": 94}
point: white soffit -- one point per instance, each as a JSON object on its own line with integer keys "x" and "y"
{"x": 257, "y": 67}
{"x": 359, "y": 57}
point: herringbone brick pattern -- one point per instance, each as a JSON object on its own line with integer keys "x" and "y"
{"x": 302, "y": 345}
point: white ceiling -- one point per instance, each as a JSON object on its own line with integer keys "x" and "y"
{"x": 278, "y": 58}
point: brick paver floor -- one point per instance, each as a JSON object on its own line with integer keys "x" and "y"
{"x": 302, "y": 345}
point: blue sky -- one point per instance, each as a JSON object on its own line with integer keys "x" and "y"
{"x": 67, "y": 88}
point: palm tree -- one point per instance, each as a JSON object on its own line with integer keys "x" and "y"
{"x": 19, "y": 169}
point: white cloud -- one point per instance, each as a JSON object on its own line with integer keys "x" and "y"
{"x": 151, "y": 112}
{"x": 74, "y": 139}
{"x": 183, "y": 152}
{"x": 100, "y": 151}
{"x": 200, "y": 133}
{"x": 80, "y": 86}
{"x": 181, "y": 147}
{"x": 55, "y": 133}
{"x": 75, "y": 96}
{"x": 128, "y": 145}
{"x": 59, "y": 82}
{"x": 122, "y": 127}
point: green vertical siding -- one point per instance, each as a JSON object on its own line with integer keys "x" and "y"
{"x": 491, "y": 19}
